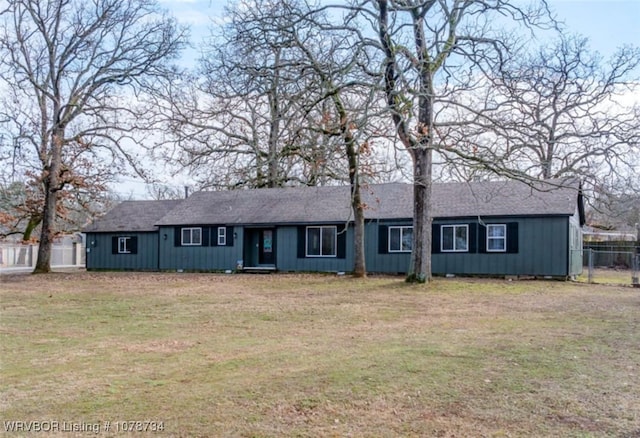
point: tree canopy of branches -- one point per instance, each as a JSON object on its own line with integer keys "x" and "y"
{"x": 283, "y": 98}
{"x": 75, "y": 68}
{"x": 561, "y": 112}
{"x": 434, "y": 50}
{"x": 237, "y": 123}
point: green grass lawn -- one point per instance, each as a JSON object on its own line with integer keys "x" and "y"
{"x": 315, "y": 355}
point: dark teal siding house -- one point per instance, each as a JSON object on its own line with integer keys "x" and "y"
{"x": 127, "y": 238}
{"x": 484, "y": 228}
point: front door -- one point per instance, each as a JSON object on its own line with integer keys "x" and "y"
{"x": 266, "y": 247}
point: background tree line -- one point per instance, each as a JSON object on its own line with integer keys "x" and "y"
{"x": 297, "y": 93}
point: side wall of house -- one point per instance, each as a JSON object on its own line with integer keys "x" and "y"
{"x": 534, "y": 246}
{"x": 204, "y": 257}
{"x": 142, "y": 255}
{"x": 542, "y": 250}
{"x": 575, "y": 245}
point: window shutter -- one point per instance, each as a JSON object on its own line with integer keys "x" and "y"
{"x": 212, "y": 233}
{"x": 473, "y": 238}
{"x": 230, "y": 236}
{"x": 302, "y": 239}
{"x": 341, "y": 241}
{"x": 435, "y": 239}
{"x": 177, "y": 236}
{"x": 114, "y": 245}
{"x": 383, "y": 239}
{"x": 482, "y": 239}
{"x": 133, "y": 245}
{"x": 205, "y": 236}
{"x": 512, "y": 237}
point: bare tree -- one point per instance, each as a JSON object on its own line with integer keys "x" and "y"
{"x": 72, "y": 59}
{"x": 239, "y": 122}
{"x": 346, "y": 96}
{"x": 283, "y": 100}
{"x": 429, "y": 48}
{"x": 560, "y": 112}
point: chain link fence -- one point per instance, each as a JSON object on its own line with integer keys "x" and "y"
{"x": 612, "y": 262}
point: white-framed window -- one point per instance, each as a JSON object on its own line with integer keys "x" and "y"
{"x": 322, "y": 241}
{"x": 124, "y": 245}
{"x": 191, "y": 236}
{"x": 222, "y": 236}
{"x": 400, "y": 239}
{"x": 454, "y": 238}
{"x": 496, "y": 237}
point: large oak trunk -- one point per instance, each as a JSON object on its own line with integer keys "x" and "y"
{"x": 420, "y": 269}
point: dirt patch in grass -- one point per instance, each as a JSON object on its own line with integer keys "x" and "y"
{"x": 321, "y": 355}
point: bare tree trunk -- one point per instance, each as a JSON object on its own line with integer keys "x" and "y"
{"x": 34, "y": 221}
{"x": 359, "y": 268}
{"x": 420, "y": 269}
{"x": 51, "y": 186}
{"x": 274, "y": 125}
{"x": 351, "y": 149}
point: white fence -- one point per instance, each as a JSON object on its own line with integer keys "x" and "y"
{"x": 23, "y": 257}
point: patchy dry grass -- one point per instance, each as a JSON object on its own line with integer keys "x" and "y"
{"x": 293, "y": 355}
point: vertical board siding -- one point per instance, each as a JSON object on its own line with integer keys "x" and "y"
{"x": 198, "y": 258}
{"x": 100, "y": 254}
{"x": 542, "y": 250}
{"x": 378, "y": 259}
{"x": 287, "y": 254}
{"x": 575, "y": 245}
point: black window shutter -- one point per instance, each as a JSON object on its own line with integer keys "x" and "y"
{"x": 114, "y": 245}
{"x": 133, "y": 245}
{"x": 213, "y": 236}
{"x": 482, "y": 239}
{"x": 473, "y": 238}
{"x": 512, "y": 237}
{"x": 205, "y": 236}
{"x": 302, "y": 239}
{"x": 229, "y": 236}
{"x": 383, "y": 239}
{"x": 341, "y": 241}
{"x": 177, "y": 236}
{"x": 435, "y": 239}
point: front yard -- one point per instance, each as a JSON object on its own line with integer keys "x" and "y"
{"x": 318, "y": 355}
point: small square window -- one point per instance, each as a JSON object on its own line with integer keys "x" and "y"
{"x": 124, "y": 245}
{"x": 191, "y": 236}
{"x": 496, "y": 238}
{"x": 400, "y": 239}
{"x": 454, "y": 238}
{"x": 222, "y": 236}
{"x": 322, "y": 241}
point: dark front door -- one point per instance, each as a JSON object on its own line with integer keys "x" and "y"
{"x": 266, "y": 247}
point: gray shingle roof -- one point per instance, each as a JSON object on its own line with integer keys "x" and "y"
{"x": 384, "y": 201}
{"x": 133, "y": 216}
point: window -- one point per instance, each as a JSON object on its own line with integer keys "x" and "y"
{"x": 496, "y": 237}
{"x": 455, "y": 238}
{"x": 400, "y": 239}
{"x": 222, "y": 236}
{"x": 191, "y": 236}
{"x": 124, "y": 245}
{"x": 321, "y": 241}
